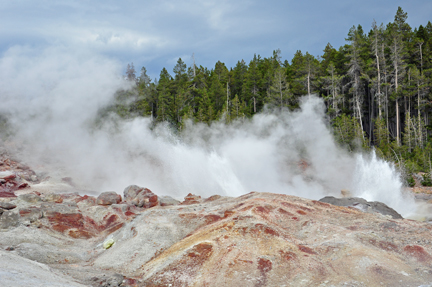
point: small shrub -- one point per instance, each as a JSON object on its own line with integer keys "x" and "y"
{"x": 410, "y": 181}
{"x": 427, "y": 181}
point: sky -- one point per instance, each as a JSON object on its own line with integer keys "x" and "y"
{"x": 154, "y": 34}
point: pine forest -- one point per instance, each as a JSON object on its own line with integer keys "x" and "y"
{"x": 376, "y": 88}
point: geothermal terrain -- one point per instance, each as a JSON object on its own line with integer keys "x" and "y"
{"x": 52, "y": 233}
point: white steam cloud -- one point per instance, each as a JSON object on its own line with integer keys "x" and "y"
{"x": 51, "y": 99}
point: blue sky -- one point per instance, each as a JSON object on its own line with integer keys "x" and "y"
{"x": 155, "y": 34}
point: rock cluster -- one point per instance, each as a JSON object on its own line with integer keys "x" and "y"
{"x": 14, "y": 176}
{"x": 258, "y": 239}
{"x": 78, "y": 216}
{"x": 9, "y": 183}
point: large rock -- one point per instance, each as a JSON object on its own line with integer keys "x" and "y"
{"x": 168, "y": 201}
{"x": 269, "y": 240}
{"x": 140, "y": 196}
{"x": 191, "y": 199}
{"x": 363, "y": 205}
{"x": 8, "y": 219}
{"x": 30, "y": 198}
{"x": 7, "y": 205}
{"x": 108, "y": 198}
{"x": 7, "y": 175}
{"x": 53, "y": 197}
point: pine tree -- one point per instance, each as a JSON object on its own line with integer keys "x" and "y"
{"x": 376, "y": 37}
{"x": 164, "y": 107}
{"x": 279, "y": 94}
{"x": 130, "y": 72}
{"x": 295, "y": 75}
{"x": 251, "y": 86}
{"x": 355, "y": 71}
{"x": 397, "y": 32}
{"x": 310, "y": 70}
{"x": 332, "y": 84}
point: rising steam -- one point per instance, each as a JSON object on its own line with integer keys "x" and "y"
{"x": 52, "y": 98}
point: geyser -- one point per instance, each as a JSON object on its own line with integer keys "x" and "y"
{"x": 52, "y": 98}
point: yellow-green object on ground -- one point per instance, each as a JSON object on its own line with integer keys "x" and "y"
{"x": 108, "y": 243}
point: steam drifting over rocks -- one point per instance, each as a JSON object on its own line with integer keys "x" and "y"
{"x": 257, "y": 239}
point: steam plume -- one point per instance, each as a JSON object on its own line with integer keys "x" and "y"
{"x": 51, "y": 99}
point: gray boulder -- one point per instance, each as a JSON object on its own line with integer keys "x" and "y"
{"x": 30, "y": 198}
{"x": 140, "y": 196}
{"x": 9, "y": 219}
{"x": 168, "y": 200}
{"x": 363, "y": 205}
{"x": 131, "y": 192}
{"x": 7, "y": 205}
{"x": 108, "y": 198}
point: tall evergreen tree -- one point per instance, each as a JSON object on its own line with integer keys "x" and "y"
{"x": 279, "y": 94}
{"x": 355, "y": 70}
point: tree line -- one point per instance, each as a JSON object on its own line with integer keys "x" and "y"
{"x": 377, "y": 90}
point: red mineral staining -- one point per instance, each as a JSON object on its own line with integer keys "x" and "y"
{"x": 130, "y": 282}
{"x": 306, "y": 249}
{"x": 110, "y": 220}
{"x": 79, "y": 234}
{"x": 7, "y": 194}
{"x": 295, "y": 206}
{"x": 191, "y": 199}
{"x": 62, "y": 222}
{"x": 187, "y": 266}
{"x": 260, "y": 228}
{"x": 245, "y": 261}
{"x": 270, "y": 231}
{"x": 202, "y": 250}
{"x": 85, "y": 197}
{"x": 213, "y": 198}
{"x": 246, "y": 208}
{"x": 153, "y": 198}
{"x": 188, "y": 216}
{"x": 284, "y": 212}
{"x": 228, "y": 213}
{"x": 388, "y": 246}
{"x": 418, "y": 253}
{"x": 212, "y": 218}
{"x": 301, "y": 212}
{"x": 287, "y": 255}
{"x": 262, "y": 209}
{"x": 323, "y": 204}
{"x": 238, "y": 205}
{"x": 90, "y": 221}
{"x": 24, "y": 212}
{"x": 129, "y": 213}
{"x": 264, "y": 265}
{"x": 114, "y": 228}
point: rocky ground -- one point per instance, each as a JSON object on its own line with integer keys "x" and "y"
{"x": 52, "y": 234}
